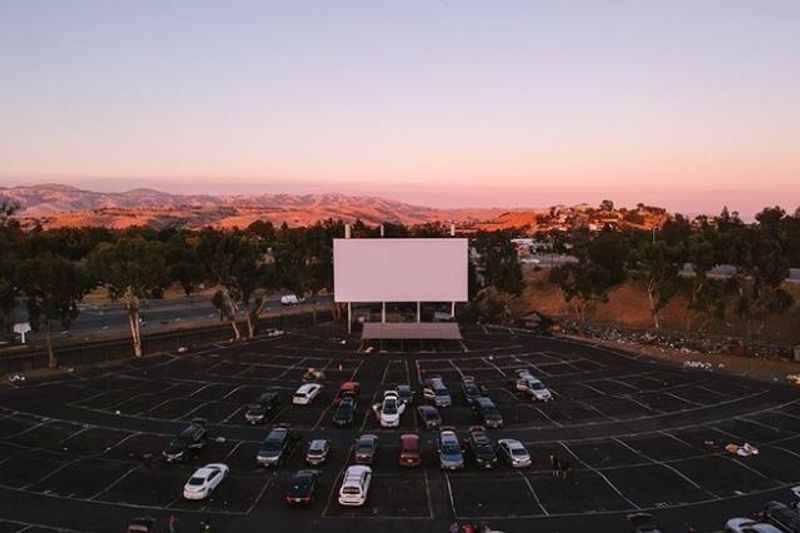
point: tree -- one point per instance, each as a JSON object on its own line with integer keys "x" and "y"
{"x": 497, "y": 259}
{"x": 130, "y": 269}
{"x": 184, "y": 263}
{"x": 600, "y": 267}
{"x": 53, "y": 286}
{"x": 11, "y": 250}
{"x": 607, "y": 205}
{"x": 658, "y": 265}
{"x": 236, "y": 261}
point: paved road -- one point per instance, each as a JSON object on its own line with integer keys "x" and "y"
{"x": 112, "y": 318}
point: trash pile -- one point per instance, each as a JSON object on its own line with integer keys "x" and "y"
{"x": 687, "y": 343}
{"x": 698, "y": 364}
{"x": 742, "y": 451}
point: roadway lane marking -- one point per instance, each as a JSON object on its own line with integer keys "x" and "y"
{"x": 596, "y": 471}
{"x": 264, "y": 489}
{"x": 233, "y": 450}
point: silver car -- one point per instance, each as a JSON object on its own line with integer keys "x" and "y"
{"x": 515, "y": 453}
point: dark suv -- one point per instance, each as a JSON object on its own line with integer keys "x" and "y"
{"x": 345, "y": 413}
{"x": 487, "y": 412}
{"x": 471, "y": 390}
{"x": 266, "y": 404}
{"x": 276, "y": 447}
{"x": 194, "y": 437}
{"x": 481, "y": 447}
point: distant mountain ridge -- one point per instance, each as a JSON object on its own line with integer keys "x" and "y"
{"x": 56, "y": 205}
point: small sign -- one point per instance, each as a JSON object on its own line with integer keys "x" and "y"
{"x": 22, "y": 328}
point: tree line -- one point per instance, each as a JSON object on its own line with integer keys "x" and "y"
{"x": 682, "y": 257}
{"x": 50, "y": 271}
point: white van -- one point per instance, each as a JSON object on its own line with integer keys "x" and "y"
{"x": 355, "y": 485}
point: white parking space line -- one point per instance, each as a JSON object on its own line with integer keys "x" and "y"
{"x": 335, "y": 485}
{"x": 685, "y": 400}
{"x": 51, "y": 473}
{"x": 386, "y": 370}
{"x": 460, "y": 373}
{"x": 190, "y": 411}
{"x": 207, "y": 385}
{"x": 355, "y": 370}
{"x": 369, "y": 411}
{"x": 490, "y": 363}
{"x": 156, "y": 406}
{"x": 264, "y": 489}
{"x": 593, "y": 469}
{"x": 233, "y": 450}
{"x": 428, "y": 491}
{"x": 450, "y": 495}
{"x": 555, "y": 423}
{"x": 234, "y": 391}
{"x": 678, "y": 439}
{"x": 322, "y": 416}
{"x": 135, "y": 434}
{"x": 232, "y": 415}
{"x": 44, "y": 422}
{"x": 296, "y": 365}
{"x": 665, "y": 465}
{"x": 24, "y": 526}
{"x": 115, "y": 483}
{"x": 533, "y": 493}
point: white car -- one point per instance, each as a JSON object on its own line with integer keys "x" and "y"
{"x": 306, "y": 393}
{"x": 391, "y": 409}
{"x": 204, "y": 481}
{"x": 746, "y": 525}
{"x": 538, "y": 391}
{"x": 515, "y": 453}
{"x": 355, "y": 485}
{"x": 290, "y": 299}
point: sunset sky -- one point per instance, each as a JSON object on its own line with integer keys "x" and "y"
{"x": 690, "y": 105}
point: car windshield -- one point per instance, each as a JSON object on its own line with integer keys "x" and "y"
{"x": 519, "y": 452}
{"x": 450, "y": 448}
{"x": 255, "y": 408}
{"x": 195, "y": 481}
{"x": 176, "y": 445}
{"x": 538, "y": 386}
{"x": 300, "y": 484}
{"x": 317, "y": 446}
{"x": 271, "y": 445}
{"x": 441, "y": 392}
{"x": 351, "y": 490}
{"x": 389, "y": 408}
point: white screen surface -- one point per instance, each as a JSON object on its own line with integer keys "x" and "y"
{"x": 400, "y": 270}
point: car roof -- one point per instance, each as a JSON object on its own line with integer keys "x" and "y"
{"x": 349, "y": 385}
{"x": 484, "y": 400}
{"x": 305, "y": 387}
{"x": 403, "y": 387}
{"x": 356, "y": 470}
{"x": 205, "y": 471}
{"x": 409, "y": 437}
{"x": 511, "y": 442}
{"x": 367, "y": 437}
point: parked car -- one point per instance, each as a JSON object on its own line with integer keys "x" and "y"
{"x": 345, "y": 413}
{"x": 204, "y": 481}
{"x": 643, "y": 523}
{"x": 430, "y": 416}
{"x": 355, "y": 485}
{"x": 348, "y": 389}
{"x": 318, "y": 451}
{"x": 449, "y": 448}
{"x": 410, "y": 453}
{"x": 366, "y": 448}
{"x": 265, "y": 405}
{"x": 276, "y": 446}
{"x": 436, "y": 391}
{"x": 487, "y": 412}
{"x": 391, "y": 410}
{"x": 302, "y": 485}
{"x": 192, "y": 438}
{"x": 748, "y": 525}
{"x": 534, "y": 388}
{"x": 306, "y": 393}
{"x": 782, "y": 516}
{"x": 515, "y": 453}
{"x": 143, "y": 524}
{"x": 290, "y": 299}
{"x": 471, "y": 390}
{"x": 405, "y": 394}
{"x": 482, "y": 448}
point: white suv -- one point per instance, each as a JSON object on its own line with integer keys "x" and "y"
{"x": 306, "y": 393}
{"x": 355, "y": 485}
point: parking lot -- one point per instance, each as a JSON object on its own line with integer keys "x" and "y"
{"x": 83, "y": 452}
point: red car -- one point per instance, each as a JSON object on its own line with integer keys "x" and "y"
{"x": 409, "y": 450}
{"x": 347, "y": 389}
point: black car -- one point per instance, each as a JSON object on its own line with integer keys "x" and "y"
{"x": 472, "y": 392}
{"x": 258, "y": 412}
{"x": 276, "y": 447}
{"x": 366, "y": 448}
{"x": 482, "y": 447}
{"x": 192, "y": 438}
{"x": 487, "y": 412}
{"x": 782, "y": 516}
{"x": 643, "y": 523}
{"x": 430, "y": 416}
{"x": 302, "y": 485}
{"x": 345, "y": 412}
{"x": 405, "y": 394}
